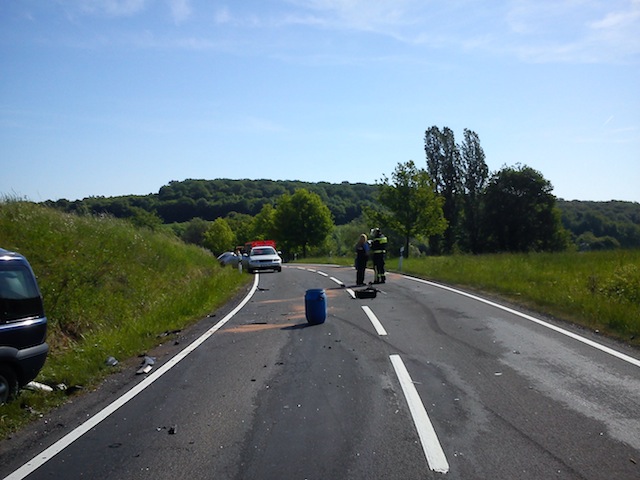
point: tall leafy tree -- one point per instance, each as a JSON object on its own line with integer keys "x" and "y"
{"x": 520, "y": 212}
{"x": 412, "y": 206}
{"x": 445, "y": 169}
{"x": 241, "y": 224}
{"x": 263, "y": 225}
{"x": 343, "y": 237}
{"x": 301, "y": 221}
{"x": 219, "y": 237}
{"x": 194, "y": 231}
{"x": 474, "y": 177}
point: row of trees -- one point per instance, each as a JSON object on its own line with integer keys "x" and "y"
{"x": 298, "y": 222}
{"x": 510, "y": 210}
{"x": 453, "y": 205}
{"x": 459, "y": 207}
{"x": 181, "y": 201}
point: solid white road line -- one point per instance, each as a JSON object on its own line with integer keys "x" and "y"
{"x": 374, "y": 320}
{"x": 430, "y": 444}
{"x": 72, "y": 436}
{"x": 602, "y": 348}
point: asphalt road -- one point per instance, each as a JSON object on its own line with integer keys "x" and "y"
{"x": 420, "y": 382}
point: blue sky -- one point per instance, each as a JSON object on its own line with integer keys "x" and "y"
{"x": 119, "y": 97}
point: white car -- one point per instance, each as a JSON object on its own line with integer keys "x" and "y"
{"x": 262, "y": 258}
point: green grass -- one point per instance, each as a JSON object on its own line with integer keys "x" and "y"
{"x": 109, "y": 289}
{"x": 599, "y": 290}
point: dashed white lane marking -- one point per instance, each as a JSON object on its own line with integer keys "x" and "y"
{"x": 339, "y": 282}
{"x": 39, "y": 460}
{"x": 430, "y": 444}
{"x": 602, "y": 348}
{"x": 351, "y": 292}
{"x": 374, "y": 320}
{"x": 322, "y": 273}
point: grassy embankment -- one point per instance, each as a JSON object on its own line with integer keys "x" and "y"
{"x": 109, "y": 289}
{"x": 598, "y": 290}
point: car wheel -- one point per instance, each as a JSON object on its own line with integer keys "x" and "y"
{"x": 8, "y": 384}
{"x": 280, "y": 269}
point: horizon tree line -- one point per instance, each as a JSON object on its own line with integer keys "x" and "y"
{"x": 453, "y": 205}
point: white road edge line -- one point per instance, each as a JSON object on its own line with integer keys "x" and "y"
{"x": 430, "y": 444}
{"x": 72, "y": 436}
{"x": 591, "y": 343}
{"x": 374, "y": 320}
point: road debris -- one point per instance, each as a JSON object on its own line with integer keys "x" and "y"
{"x": 37, "y": 386}
{"x": 369, "y": 292}
{"x": 167, "y": 333}
{"x": 147, "y": 365}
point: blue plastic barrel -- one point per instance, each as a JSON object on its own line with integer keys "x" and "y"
{"x": 315, "y": 306}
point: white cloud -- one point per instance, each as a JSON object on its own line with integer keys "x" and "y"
{"x": 618, "y": 31}
{"x": 563, "y": 31}
{"x": 537, "y": 17}
{"x": 180, "y": 10}
{"x": 577, "y": 31}
{"x": 621, "y": 19}
{"x": 573, "y": 31}
{"x": 222, "y": 16}
{"x": 368, "y": 15}
{"x": 116, "y": 8}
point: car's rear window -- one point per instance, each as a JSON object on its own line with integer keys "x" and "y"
{"x": 19, "y": 295}
{"x": 263, "y": 251}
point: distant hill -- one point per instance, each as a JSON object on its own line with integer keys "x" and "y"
{"x": 180, "y": 201}
{"x": 602, "y": 225}
{"x": 593, "y": 225}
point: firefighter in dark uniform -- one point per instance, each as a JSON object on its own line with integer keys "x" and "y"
{"x": 378, "y": 251}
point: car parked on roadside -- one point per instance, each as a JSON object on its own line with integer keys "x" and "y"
{"x": 23, "y": 325}
{"x": 229, "y": 258}
{"x": 264, "y": 257}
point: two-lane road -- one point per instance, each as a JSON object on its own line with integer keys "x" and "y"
{"x": 420, "y": 382}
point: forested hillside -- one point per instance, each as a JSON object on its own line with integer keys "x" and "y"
{"x": 210, "y": 199}
{"x": 593, "y": 225}
{"x": 602, "y": 225}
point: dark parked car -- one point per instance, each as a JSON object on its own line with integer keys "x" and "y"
{"x": 23, "y": 325}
